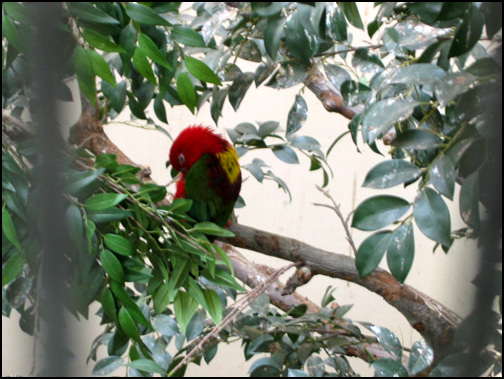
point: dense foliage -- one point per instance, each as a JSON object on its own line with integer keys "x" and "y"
{"x": 429, "y": 88}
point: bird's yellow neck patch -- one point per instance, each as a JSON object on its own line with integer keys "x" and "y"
{"x": 228, "y": 160}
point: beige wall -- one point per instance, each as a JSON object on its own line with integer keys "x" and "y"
{"x": 446, "y": 278}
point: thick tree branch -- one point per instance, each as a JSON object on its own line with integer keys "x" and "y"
{"x": 431, "y": 319}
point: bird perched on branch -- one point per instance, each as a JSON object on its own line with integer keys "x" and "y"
{"x": 210, "y": 174}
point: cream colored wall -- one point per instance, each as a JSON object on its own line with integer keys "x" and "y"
{"x": 445, "y": 277}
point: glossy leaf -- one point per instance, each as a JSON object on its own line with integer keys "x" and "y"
{"x": 371, "y": 251}
{"x": 201, "y": 71}
{"x": 239, "y": 88}
{"x": 367, "y": 62}
{"x": 107, "y": 365}
{"x": 335, "y": 23}
{"x": 421, "y": 73}
{"x": 297, "y": 115}
{"x": 388, "y": 368}
{"x": 88, "y": 12}
{"x": 213, "y": 305}
{"x": 388, "y": 340}
{"x": 149, "y": 49}
{"x": 144, "y": 15}
{"x": 165, "y": 325}
{"x": 416, "y": 139}
{"x": 104, "y": 201}
{"x": 337, "y": 75}
{"x": 379, "y": 211}
{"x": 421, "y": 357}
{"x": 12, "y": 267}
{"x": 184, "y": 306}
{"x": 273, "y": 33}
{"x": 449, "y": 87}
{"x": 116, "y": 95}
{"x": 289, "y": 74}
{"x": 147, "y": 365}
{"x": 285, "y": 153}
{"x": 118, "y": 244}
{"x": 84, "y": 72}
{"x": 302, "y": 45}
{"x": 112, "y": 266}
{"x": 211, "y": 229}
{"x": 101, "y": 42}
{"x": 128, "y": 326}
{"x": 468, "y": 32}
{"x": 9, "y": 229}
{"x": 351, "y": 13}
{"x": 143, "y": 66}
{"x": 401, "y": 251}
{"x": 100, "y": 67}
{"x": 469, "y": 200}
{"x": 186, "y": 92}
{"x": 442, "y": 175}
{"x": 391, "y": 173}
{"x": 432, "y": 216}
{"x": 187, "y": 36}
{"x": 381, "y": 116}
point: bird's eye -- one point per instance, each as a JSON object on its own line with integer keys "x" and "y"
{"x": 181, "y": 159}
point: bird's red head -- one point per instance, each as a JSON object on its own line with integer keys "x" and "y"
{"x": 193, "y": 142}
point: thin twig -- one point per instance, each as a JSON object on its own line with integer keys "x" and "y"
{"x": 336, "y": 208}
{"x": 246, "y": 301}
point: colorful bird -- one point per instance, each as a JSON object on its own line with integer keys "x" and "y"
{"x": 210, "y": 174}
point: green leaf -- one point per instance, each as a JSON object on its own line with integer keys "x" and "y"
{"x": 389, "y": 368}
{"x": 305, "y": 143}
{"x": 211, "y": 229}
{"x": 133, "y": 309}
{"x": 371, "y": 251}
{"x": 187, "y": 36}
{"x": 213, "y": 305}
{"x": 200, "y": 71}
{"x": 420, "y": 73}
{"x": 391, "y": 173}
{"x": 337, "y": 75}
{"x": 87, "y": 12}
{"x": 297, "y": 115}
{"x": 180, "y": 206}
{"x": 184, "y": 306}
{"x": 75, "y": 226}
{"x": 442, "y": 175}
{"x": 379, "y": 211}
{"x": 421, "y": 357}
{"x": 285, "y": 153}
{"x": 288, "y": 74}
{"x": 469, "y": 200}
{"x": 11, "y": 33}
{"x": 108, "y": 304}
{"x": 112, "y": 266}
{"x": 239, "y": 88}
{"x": 179, "y": 274}
{"x": 273, "y": 33}
{"x": 12, "y": 267}
{"x": 162, "y": 298}
{"x": 101, "y": 42}
{"x": 149, "y": 48}
{"x": 103, "y": 201}
{"x": 100, "y": 67}
{"x": 401, "y": 251}
{"x": 152, "y": 191}
{"x": 107, "y": 365}
{"x": 432, "y": 216}
{"x": 84, "y": 72}
{"x": 416, "y": 139}
{"x": 116, "y": 95}
{"x": 265, "y": 367}
{"x": 9, "y": 230}
{"x": 147, "y": 365}
{"x": 351, "y": 13}
{"x": 224, "y": 257}
{"x": 109, "y": 215}
{"x": 186, "y": 92}
{"x": 144, "y": 15}
{"x": 301, "y": 42}
{"x": 336, "y": 24}
{"x": 366, "y": 62}
{"x": 468, "y": 32}
{"x": 118, "y": 244}
{"x": 128, "y": 326}
{"x": 165, "y": 325}
{"x": 381, "y": 116}
{"x": 143, "y": 66}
